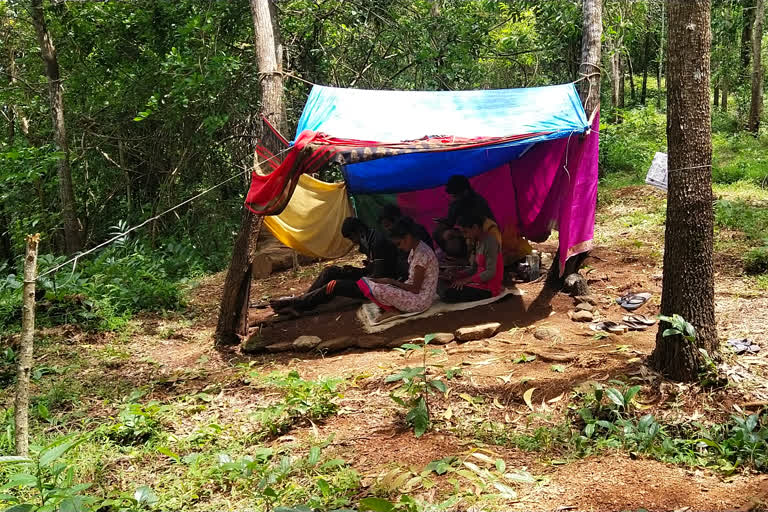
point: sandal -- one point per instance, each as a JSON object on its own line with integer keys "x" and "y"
{"x": 631, "y": 302}
{"x": 608, "y": 326}
{"x": 639, "y": 320}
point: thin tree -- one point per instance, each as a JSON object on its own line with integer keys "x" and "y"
{"x": 660, "y": 67}
{"x": 688, "y": 282}
{"x": 72, "y": 228}
{"x": 233, "y": 313}
{"x": 756, "y": 103}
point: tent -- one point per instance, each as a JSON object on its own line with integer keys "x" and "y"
{"x": 531, "y": 152}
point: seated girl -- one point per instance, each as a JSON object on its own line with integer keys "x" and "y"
{"x": 414, "y": 295}
{"x": 484, "y": 278}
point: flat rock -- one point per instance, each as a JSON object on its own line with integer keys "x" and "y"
{"x": 372, "y": 341}
{"x": 546, "y": 334}
{"x": 586, "y": 298}
{"x": 306, "y": 342}
{"x": 477, "y": 332}
{"x": 285, "y": 346}
{"x": 582, "y": 316}
{"x": 255, "y": 344}
{"x": 336, "y": 344}
{"x": 585, "y": 306}
{"x": 442, "y": 338}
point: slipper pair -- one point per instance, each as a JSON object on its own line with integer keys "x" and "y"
{"x": 638, "y": 322}
{"x": 608, "y": 326}
{"x": 632, "y": 301}
{"x": 630, "y": 322}
{"x": 743, "y": 346}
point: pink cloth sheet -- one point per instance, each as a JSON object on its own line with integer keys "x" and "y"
{"x": 553, "y": 185}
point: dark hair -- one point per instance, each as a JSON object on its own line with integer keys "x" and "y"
{"x": 468, "y": 221}
{"x": 352, "y": 225}
{"x": 403, "y": 226}
{"x": 390, "y": 212}
{"x": 457, "y": 184}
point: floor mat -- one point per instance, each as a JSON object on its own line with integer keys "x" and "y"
{"x": 368, "y": 313}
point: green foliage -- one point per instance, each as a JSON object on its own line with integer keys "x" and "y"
{"x": 267, "y": 476}
{"x": 628, "y": 147}
{"x": 756, "y": 261}
{"x": 678, "y": 326}
{"x": 136, "y": 424}
{"x": 302, "y": 400}
{"x": 45, "y": 482}
{"x": 416, "y": 385}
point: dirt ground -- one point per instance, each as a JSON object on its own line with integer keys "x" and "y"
{"x": 369, "y": 432}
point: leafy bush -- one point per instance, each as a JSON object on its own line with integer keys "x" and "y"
{"x": 756, "y": 260}
{"x": 104, "y": 291}
{"x": 302, "y": 400}
{"x": 136, "y": 424}
{"x": 628, "y": 147}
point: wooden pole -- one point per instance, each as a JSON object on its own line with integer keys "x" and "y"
{"x": 25, "y": 351}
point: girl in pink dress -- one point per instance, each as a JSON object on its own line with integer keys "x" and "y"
{"x": 412, "y": 296}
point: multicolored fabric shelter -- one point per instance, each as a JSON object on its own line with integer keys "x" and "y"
{"x": 528, "y": 151}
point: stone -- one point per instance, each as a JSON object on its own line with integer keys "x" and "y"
{"x": 442, "y": 338}
{"x": 546, "y": 334}
{"x": 285, "y": 346}
{"x": 255, "y": 344}
{"x": 575, "y": 284}
{"x": 306, "y": 342}
{"x": 585, "y": 306}
{"x": 336, "y": 344}
{"x": 586, "y": 298}
{"x": 582, "y": 316}
{"x": 477, "y": 332}
{"x": 372, "y": 341}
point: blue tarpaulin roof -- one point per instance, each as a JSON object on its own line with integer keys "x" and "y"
{"x": 394, "y": 116}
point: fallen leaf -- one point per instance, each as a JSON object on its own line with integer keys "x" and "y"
{"x": 556, "y": 399}
{"x": 448, "y": 414}
{"x": 527, "y": 397}
{"x": 497, "y": 404}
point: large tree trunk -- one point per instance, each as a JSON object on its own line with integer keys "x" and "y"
{"x": 72, "y": 230}
{"x": 659, "y": 88}
{"x": 688, "y": 283}
{"x": 756, "y": 104}
{"x": 589, "y": 88}
{"x": 233, "y": 313}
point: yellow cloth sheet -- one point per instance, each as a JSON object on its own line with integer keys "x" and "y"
{"x": 311, "y": 223}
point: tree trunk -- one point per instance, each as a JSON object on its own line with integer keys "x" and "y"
{"x": 72, "y": 231}
{"x": 622, "y": 80}
{"x": 21, "y": 405}
{"x": 748, "y": 19}
{"x": 6, "y": 251}
{"x": 716, "y": 97}
{"x": 756, "y": 104}
{"x": 631, "y": 73}
{"x": 233, "y": 313}
{"x": 646, "y": 58}
{"x": 616, "y": 80}
{"x": 659, "y": 88}
{"x": 724, "y": 99}
{"x": 688, "y": 283}
{"x": 589, "y": 88}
